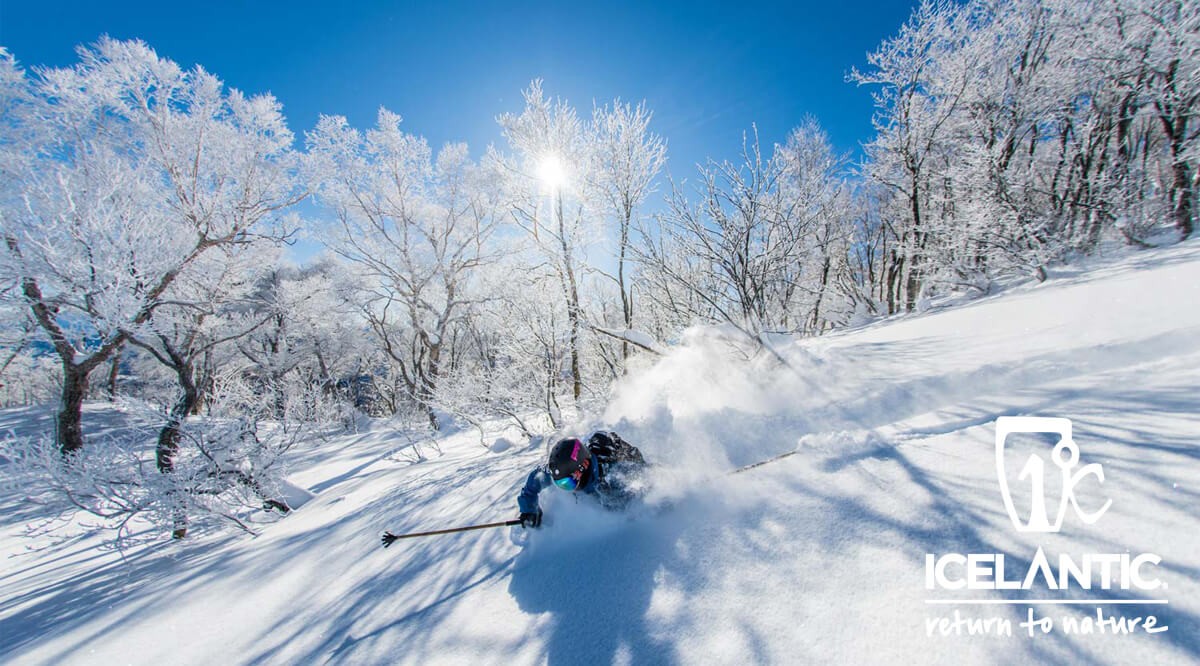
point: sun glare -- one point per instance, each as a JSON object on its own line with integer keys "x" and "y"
{"x": 551, "y": 172}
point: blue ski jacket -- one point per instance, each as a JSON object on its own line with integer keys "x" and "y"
{"x": 540, "y": 479}
{"x": 609, "y": 488}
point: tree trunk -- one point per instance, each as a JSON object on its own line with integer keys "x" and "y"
{"x": 572, "y": 302}
{"x": 113, "y": 371}
{"x": 279, "y": 401}
{"x": 69, "y": 431}
{"x": 816, "y": 312}
{"x": 168, "y": 437}
{"x": 1174, "y": 112}
{"x": 1182, "y": 187}
{"x": 895, "y": 269}
{"x": 432, "y": 376}
{"x": 68, "y": 428}
{"x": 626, "y": 300}
{"x": 915, "y": 260}
{"x": 573, "y": 318}
{"x": 912, "y": 286}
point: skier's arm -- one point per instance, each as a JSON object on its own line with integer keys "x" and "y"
{"x": 528, "y": 499}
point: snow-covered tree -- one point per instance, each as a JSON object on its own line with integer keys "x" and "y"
{"x": 417, "y": 228}
{"x": 1013, "y": 133}
{"x": 287, "y": 351}
{"x": 816, "y": 205}
{"x": 199, "y": 314}
{"x": 920, "y": 89}
{"x": 514, "y": 356}
{"x": 552, "y": 166}
{"x": 763, "y": 246}
{"x": 1157, "y": 46}
{"x": 131, "y": 169}
{"x": 627, "y": 157}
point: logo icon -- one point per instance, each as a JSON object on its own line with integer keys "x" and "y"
{"x": 1065, "y": 457}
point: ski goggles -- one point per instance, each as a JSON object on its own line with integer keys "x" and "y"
{"x": 572, "y": 480}
{"x": 568, "y": 483}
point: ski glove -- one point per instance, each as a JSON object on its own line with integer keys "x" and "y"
{"x": 388, "y": 538}
{"x": 531, "y": 519}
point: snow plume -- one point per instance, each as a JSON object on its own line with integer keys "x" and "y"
{"x": 712, "y": 405}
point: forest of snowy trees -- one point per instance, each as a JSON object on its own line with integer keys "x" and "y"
{"x": 146, "y": 211}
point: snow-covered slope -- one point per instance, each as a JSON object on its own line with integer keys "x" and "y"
{"x": 817, "y": 558}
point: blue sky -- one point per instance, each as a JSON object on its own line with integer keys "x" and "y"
{"x": 707, "y": 70}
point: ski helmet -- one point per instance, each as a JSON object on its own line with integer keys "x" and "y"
{"x": 569, "y": 462}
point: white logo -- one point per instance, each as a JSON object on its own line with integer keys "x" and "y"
{"x": 1065, "y": 456}
{"x": 1053, "y": 578}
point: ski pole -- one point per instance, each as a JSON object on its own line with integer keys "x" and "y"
{"x": 760, "y": 463}
{"x": 388, "y": 537}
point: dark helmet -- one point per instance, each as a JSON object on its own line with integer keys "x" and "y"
{"x": 568, "y": 457}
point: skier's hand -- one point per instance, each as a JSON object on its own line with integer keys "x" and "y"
{"x": 531, "y": 519}
{"x": 388, "y": 538}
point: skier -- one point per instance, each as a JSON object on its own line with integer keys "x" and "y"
{"x": 603, "y": 467}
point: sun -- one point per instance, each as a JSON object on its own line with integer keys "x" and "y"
{"x": 552, "y": 172}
